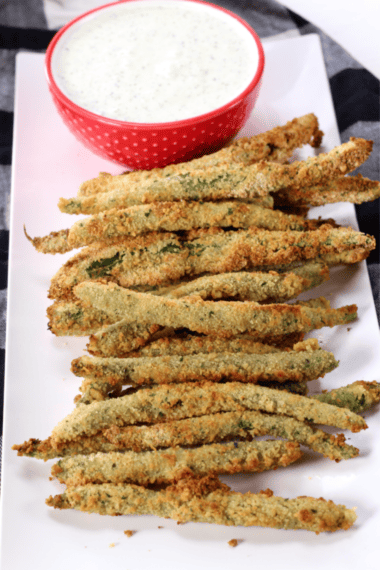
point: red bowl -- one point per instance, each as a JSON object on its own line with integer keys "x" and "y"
{"x": 151, "y": 145}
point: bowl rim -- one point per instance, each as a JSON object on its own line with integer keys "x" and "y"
{"x": 58, "y": 93}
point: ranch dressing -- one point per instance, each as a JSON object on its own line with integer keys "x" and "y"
{"x": 155, "y": 61}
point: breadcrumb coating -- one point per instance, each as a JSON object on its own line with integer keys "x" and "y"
{"x": 95, "y": 389}
{"x": 275, "y": 145}
{"x": 178, "y": 401}
{"x": 193, "y": 431}
{"x": 222, "y": 183}
{"x": 158, "y": 259}
{"x": 244, "y": 285}
{"x": 357, "y": 397}
{"x": 255, "y": 286}
{"x": 215, "y": 367}
{"x": 208, "y": 501}
{"x": 72, "y": 318}
{"x": 222, "y": 318}
{"x": 99, "y": 388}
{"x": 170, "y": 465}
{"x": 354, "y": 189}
{"x": 117, "y": 340}
{"x": 128, "y": 260}
{"x": 184, "y": 346}
{"x": 173, "y": 217}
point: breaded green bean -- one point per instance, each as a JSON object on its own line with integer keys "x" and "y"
{"x": 95, "y": 389}
{"x": 178, "y": 346}
{"x": 275, "y": 145}
{"x": 210, "y": 428}
{"x": 158, "y": 259}
{"x": 117, "y": 264}
{"x": 244, "y": 249}
{"x": 345, "y": 257}
{"x": 194, "y": 344}
{"x": 153, "y": 259}
{"x": 55, "y": 242}
{"x": 117, "y": 340}
{"x": 213, "y": 184}
{"x": 178, "y": 401}
{"x": 98, "y": 387}
{"x": 198, "y": 503}
{"x": 221, "y": 183}
{"x": 73, "y": 318}
{"x": 255, "y": 286}
{"x": 120, "y": 339}
{"x": 357, "y": 397}
{"x": 221, "y": 426}
{"x": 170, "y": 465}
{"x": 174, "y": 216}
{"x": 222, "y": 318}
{"x": 258, "y": 286}
{"x": 215, "y": 367}
{"x": 43, "y": 449}
{"x": 354, "y": 189}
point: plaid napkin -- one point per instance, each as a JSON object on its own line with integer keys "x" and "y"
{"x": 30, "y": 25}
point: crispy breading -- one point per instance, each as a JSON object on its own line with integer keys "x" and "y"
{"x": 354, "y": 189}
{"x": 223, "y": 252}
{"x": 165, "y": 466}
{"x": 174, "y": 217}
{"x": 228, "y": 425}
{"x": 120, "y": 339}
{"x": 158, "y": 259}
{"x": 255, "y": 286}
{"x": 95, "y": 389}
{"x": 345, "y": 257}
{"x": 222, "y": 318}
{"x": 215, "y": 367}
{"x": 275, "y": 145}
{"x": 178, "y": 401}
{"x": 43, "y": 449}
{"x": 74, "y": 318}
{"x": 190, "y": 344}
{"x": 210, "y": 428}
{"x": 117, "y": 340}
{"x": 357, "y": 397}
{"x": 110, "y": 264}
{"x": 55, "y": 242}
{"x": 150, "y": 259}
{"x": 225, "y": 183}
{"x": 198, "y": 503}
{"x": 187, "y": 344}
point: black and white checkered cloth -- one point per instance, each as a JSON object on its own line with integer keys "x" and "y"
{"x": 30, "y": 25}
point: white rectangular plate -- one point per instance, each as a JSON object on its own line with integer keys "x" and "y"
{"x": 49, "y": 163}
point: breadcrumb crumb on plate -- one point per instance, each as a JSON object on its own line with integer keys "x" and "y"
{"x": 234, "y": 542}
{"x": 129, "y": 533}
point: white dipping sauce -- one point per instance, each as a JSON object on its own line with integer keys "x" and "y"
{"x": 155, "y": 61}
